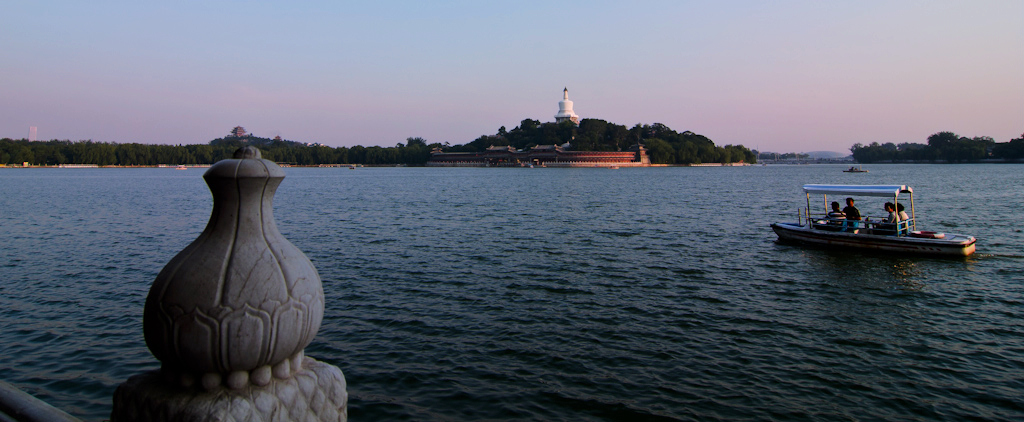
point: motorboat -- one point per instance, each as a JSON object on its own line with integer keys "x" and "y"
{"x": 902, "y": 237}
{"x": 855, "y": 169}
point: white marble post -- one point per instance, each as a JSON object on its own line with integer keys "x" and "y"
{"x": 230, "y": 315}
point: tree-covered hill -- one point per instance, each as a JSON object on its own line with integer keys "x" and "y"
{"x": 665, "y": 146}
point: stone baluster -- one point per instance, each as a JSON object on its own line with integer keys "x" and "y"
{"x": 229, "y": 316}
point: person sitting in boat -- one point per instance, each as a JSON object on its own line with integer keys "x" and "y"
{"x": 900, "y": 210}
{"x": 836, "y": 216}
{"x": 852, "y": 215}
{"x": 888, "y": 225}
{"x": 892, "y": 217}
{"x": 836, "y": 213}
{"x": 903, "y": 217}
{"x": 851, "y": 212}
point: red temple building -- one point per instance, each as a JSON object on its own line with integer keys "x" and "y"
{"x": 541, "y": 156}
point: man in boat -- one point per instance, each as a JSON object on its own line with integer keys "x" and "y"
{"x": 852, "y": 213}
{"x": 836, "y": 217}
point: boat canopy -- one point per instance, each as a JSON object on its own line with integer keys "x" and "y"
{"x": 858, "y": 190}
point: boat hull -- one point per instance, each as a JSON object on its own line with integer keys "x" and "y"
{"x": 950, "y": 245}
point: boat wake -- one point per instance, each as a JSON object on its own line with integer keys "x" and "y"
{"x": 998, "y": 255}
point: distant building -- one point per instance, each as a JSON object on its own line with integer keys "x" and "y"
{"x": 565, "y": 109}
{"x": 32, "y": 134}
{"x": 238, "y": 132}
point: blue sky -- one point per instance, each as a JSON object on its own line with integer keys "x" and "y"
{"x": 779, "y": 76}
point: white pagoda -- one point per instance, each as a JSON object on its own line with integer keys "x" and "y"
{"x": 565, "y": 109}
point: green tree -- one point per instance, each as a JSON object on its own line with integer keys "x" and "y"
{"x": 660, "y": 151}
{"x": 1013, "y": 150}
{"x": 23, "y": 154}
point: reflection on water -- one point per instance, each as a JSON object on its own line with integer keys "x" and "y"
{"x": 859, "y": 270}
{"x": 906, "y": 273}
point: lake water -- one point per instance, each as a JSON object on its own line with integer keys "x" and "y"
{"x": 551, "y": 294}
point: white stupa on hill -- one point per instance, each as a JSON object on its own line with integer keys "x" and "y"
{"x": 565, "y": 109}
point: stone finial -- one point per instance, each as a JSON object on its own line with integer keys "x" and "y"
{"x": 239, "y": 304}
{"x": 229, "y": 316}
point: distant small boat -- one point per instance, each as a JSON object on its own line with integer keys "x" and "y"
{"x": 181, "y": 167}
{"x": 351, "y": 167}
{"x": 855, "y": 169}
{"x": 614, "y": 167}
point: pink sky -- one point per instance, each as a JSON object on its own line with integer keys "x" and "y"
{"x": 779, "y": 76}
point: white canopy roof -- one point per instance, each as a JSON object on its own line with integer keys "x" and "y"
{"x": 858, "y": 190}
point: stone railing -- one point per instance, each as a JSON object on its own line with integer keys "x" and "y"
{"x": 17, "y": 405}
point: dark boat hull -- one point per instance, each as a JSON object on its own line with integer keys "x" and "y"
{"x": 951, "y": 245}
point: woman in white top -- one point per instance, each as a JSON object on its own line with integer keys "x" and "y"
{"x": 902, "y": 214}
{"x": 904, "y": 227}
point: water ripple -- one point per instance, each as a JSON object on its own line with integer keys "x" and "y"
{"x": 548, "y": 294}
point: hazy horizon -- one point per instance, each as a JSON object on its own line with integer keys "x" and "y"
{"x": 789, "y": 76}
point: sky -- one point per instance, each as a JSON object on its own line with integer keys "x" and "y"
{"x": 781, "y": 76}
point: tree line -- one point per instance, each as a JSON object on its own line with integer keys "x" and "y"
{"x": 664, "y": 145}
{"x": 415, "y": 151}
{"x": 56, "y": 152}
{"x": 943, "y": 146}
